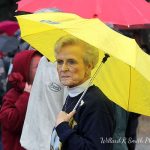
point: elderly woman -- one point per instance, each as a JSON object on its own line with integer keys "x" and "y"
{"x": 92, "y": 125}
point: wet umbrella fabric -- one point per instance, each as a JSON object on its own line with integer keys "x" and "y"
{"x": 126, "y": 12}
{"x": 124, "y": 78}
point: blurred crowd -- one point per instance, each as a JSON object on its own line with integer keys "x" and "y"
{"x": 10, "y": 44}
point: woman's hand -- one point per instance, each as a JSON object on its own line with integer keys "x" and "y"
{"x": 63, "y": 117}
{"x": 28, "y": 87}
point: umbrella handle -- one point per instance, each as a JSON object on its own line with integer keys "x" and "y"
{"x": 103, "y": 61}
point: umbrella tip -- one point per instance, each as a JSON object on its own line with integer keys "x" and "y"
{"x": 105, "y": 58}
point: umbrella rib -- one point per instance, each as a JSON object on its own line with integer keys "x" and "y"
{"x": 129, "y": 89}
{"x": 40, "y": 32}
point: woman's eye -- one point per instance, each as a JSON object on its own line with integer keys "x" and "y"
{"x": 59, "y": 62}
{"x": 71, "y": 62}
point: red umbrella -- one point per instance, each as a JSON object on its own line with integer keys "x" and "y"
{"x": 121, "y": 12}
{"x": 24, "y": 3}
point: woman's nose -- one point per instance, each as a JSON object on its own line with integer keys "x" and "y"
{"x": 64, "y": 67}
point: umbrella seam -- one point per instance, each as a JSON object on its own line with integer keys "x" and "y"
{"x": 129, "y": 89}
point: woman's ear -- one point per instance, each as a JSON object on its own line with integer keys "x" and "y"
{"x": 89, "y": 68}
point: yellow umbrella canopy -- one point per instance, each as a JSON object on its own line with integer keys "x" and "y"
{"x": 124, "y": 78}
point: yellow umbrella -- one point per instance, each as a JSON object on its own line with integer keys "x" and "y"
{"x": 124, "y": 78}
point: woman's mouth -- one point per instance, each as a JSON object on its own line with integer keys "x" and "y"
{"x": 65, "y": 76}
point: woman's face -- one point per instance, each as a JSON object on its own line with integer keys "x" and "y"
{"x": 71, "y": 67}
{"x": 33, "y": 67}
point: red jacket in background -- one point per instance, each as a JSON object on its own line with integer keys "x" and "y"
{"x": 15, "y": 102}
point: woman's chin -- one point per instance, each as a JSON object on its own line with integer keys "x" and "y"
{"x": 67, "y": 83}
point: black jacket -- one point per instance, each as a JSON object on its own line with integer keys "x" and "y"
{"x": 93, "y": 124}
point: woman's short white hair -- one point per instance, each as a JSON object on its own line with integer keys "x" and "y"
{"x": 91, "y": 54}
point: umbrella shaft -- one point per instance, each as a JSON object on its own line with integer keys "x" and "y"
{"x": 92, "y": 79}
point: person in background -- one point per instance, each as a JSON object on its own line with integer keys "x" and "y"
{"x": 93, "y": 121}
{"x": 46, "y": 96}
{"x": 15, "y": 101}
{"x": 2, "y": 78}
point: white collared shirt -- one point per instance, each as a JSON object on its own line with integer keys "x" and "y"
{"x": 78, "y": 89}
